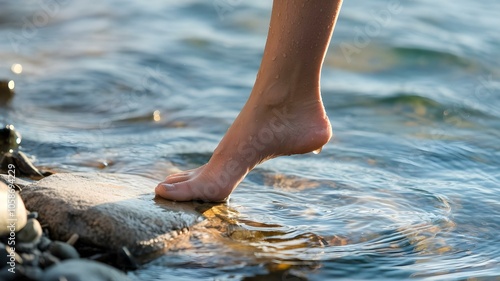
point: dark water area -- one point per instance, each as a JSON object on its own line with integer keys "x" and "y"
{"x": 408, "y": 188}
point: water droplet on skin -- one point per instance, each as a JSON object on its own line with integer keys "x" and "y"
{"x": 284, "y": 55}
{"x": 274, "y": 58}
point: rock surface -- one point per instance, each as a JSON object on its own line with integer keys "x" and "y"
{"x": 83, "y": 270}
{"x": 107, "y": 210}
{"x": 11, "y": 213}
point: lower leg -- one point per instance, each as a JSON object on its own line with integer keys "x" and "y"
{"x": 284, "y": 114}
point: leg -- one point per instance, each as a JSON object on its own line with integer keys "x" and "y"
{"x": 284, "y": 114}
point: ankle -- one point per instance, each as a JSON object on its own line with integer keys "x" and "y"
{"x": 278, "y": 92}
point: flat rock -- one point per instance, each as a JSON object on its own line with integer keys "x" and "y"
{"x": 107, "y": 210}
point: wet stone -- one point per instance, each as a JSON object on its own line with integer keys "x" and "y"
{"x": 31, "y": 233}
{"x": 107, "y": 211}
{"x": 9, "y": 139}
{"x": 83, "y": 270}
{"x": 63, "y": 251}
{"x": 22, "y": 164}
{"x": 29, "y": 272}
{"x": 30, "y": 259}
{"x": 47, "y": 259}
{"x": 44, "y": 243}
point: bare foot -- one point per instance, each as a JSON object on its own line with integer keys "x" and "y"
{"x": 268, "y": 126}
{"x": 284, "y": 114}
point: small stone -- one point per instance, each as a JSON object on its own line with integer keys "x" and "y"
{"x": 9, "y": 139}
{"x": 13, "y": 215}
{"x": 83, "y": 270}
{"x": 30, "y": 259}
{"x": 30, "y": 272}
{"x": 44, "y": 243}
{"x": 22, "y": 164}
{"x": 47, "y": 259}
{"x": 63, "y": 251}
{"x": 31, "y": 233}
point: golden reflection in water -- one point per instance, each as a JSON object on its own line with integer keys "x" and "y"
{"x": 11, "y": 84}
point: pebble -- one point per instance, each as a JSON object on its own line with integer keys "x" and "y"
{"x": 9, "y": 139}
{"x": 47, "y": 259}
{"x": 31, "y": 233}
{"x": 12, "y": 216}
{"x": 83, "y": 270}
{"x": 23, "y": 165}
{"x": 63, "y": 251}
{"x": 44, "y": 243}
{"x": 29, "y": 272}
{"x": 31, "y": 259}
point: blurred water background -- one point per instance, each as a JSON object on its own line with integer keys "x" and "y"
{"x": 408, "y": 187}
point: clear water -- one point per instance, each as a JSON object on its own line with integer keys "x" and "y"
{"x": 408, "y": 188}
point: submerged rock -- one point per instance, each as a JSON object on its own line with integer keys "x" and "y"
{"x": 13, "y": 215}
{"x": 109, "y": 211}
{"x": 83, "y": 270}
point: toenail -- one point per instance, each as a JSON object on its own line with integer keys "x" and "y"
{"x": 168, "y": 186}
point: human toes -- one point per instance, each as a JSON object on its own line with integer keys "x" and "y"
{"x": 177, "y": 178}
{"x": 180, "y": 191}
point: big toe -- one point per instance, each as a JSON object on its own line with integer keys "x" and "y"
{"x": 179, "y": 191}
